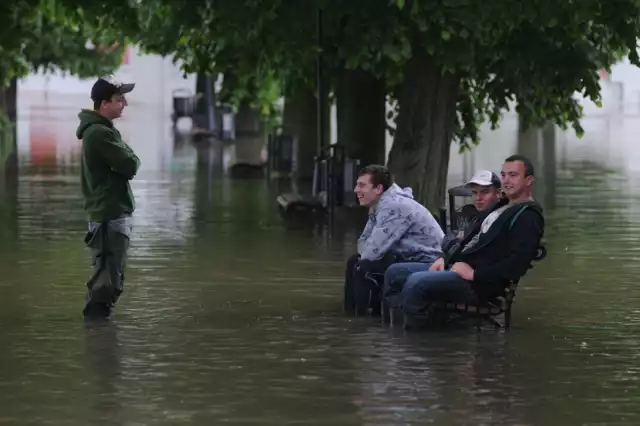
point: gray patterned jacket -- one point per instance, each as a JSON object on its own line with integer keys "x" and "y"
{"x": 400, "y": 225}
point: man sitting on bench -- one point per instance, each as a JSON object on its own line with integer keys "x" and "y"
{"x": 485, "y": 188}
{"x": 399, "y": 229}
{"x": 498, "y": 251}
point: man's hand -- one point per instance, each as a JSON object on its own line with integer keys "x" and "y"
{"x": 438, "y": 265}
{"x": 464, "y": 270}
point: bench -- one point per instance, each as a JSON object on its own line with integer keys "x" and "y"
{"x": 485, "y": 312}
{"x": 297, "y": 203}
{"x": 490, "y": 311}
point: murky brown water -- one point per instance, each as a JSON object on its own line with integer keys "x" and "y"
{"x": 230, "y": 317}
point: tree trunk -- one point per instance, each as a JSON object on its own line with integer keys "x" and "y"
{"x": 529, "y": 146}
{"x": 419, "y": 156}
{"x": 201, "y": 94}
{"x": 539, "y": 145}
{"x": 248, "y": 148}
{"x": 549, "y": 164}
{"x": 299, "y": 119}
{"x": 529, "y": 141}
{"x": 250, "y": 137}
{"x": 201, "y": 107}
{"x": 9, "y": 100}
{"x": 361, "y": 116}
{"x": 8, "y": 137}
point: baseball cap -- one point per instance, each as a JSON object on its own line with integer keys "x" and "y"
{"x": 105, "y": 87}
{"x": 484, "y": 178}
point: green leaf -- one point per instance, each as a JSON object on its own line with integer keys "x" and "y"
{"x": 507, "y": 52}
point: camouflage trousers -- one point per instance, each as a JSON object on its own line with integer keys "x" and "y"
{"x": 108, "y": 243}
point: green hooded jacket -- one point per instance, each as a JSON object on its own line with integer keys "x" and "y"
{"x": 107, "y": 166}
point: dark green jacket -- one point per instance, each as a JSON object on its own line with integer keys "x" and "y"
{"x": 107, "y": 166}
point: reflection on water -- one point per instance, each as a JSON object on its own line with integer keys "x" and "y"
{"x": 230, "y": 316}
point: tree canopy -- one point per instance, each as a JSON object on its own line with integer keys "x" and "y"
{"x": 40, "y": 35}
{"x": 496, "y": 55}
{"x": 484, "y": 57}
{"x": 535, "y": 54}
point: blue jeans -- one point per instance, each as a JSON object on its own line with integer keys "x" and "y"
{"x": 396, "y": 276}
{"x": 423, "y": 288}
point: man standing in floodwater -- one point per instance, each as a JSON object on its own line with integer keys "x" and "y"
{"x": 107, "y": 166}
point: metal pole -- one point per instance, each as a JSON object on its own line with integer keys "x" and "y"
{"x": 320, "y": 102}
{"x": 211, "y": 106}
{"x": 321, "y": 106}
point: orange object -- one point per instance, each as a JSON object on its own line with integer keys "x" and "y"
{"x": 43, "y": 146}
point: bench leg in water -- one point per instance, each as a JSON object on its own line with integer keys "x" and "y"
{"x": 396, "y": 317}
{"x": 386, "y": 314}
{"x": 481, "y": 319}
{"x": 507, "y": 318}
{"x": 495, "y": 322}
{"x": 367, "y": 303}
{"x": 391, "y": 315}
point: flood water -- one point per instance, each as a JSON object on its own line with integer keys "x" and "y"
{"x": 229, "y": 316}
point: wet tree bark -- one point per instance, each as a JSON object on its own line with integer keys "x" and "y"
{"x": 419, "y": 156}
{"x": 9, "y": 100}
{"x": 248, "y": 148}
{"x": 529, "y": 141}
{"x": 300, "y": 120}
{"x": 201, "y": 92}
{"x": 9, "y": 108}
{"x": 361, "y": 116}
{"x": 539, "y": 145}
{"x": 250, "y": 137}
{"x": 201, "y": 112}
{"x": 550, "y": 164}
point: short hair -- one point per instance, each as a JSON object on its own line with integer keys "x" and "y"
{"x": 528, "y": 165}
{"x": 379, "y": 175}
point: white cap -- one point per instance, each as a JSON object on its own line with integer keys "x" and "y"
{"x": 484, "y": 178}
